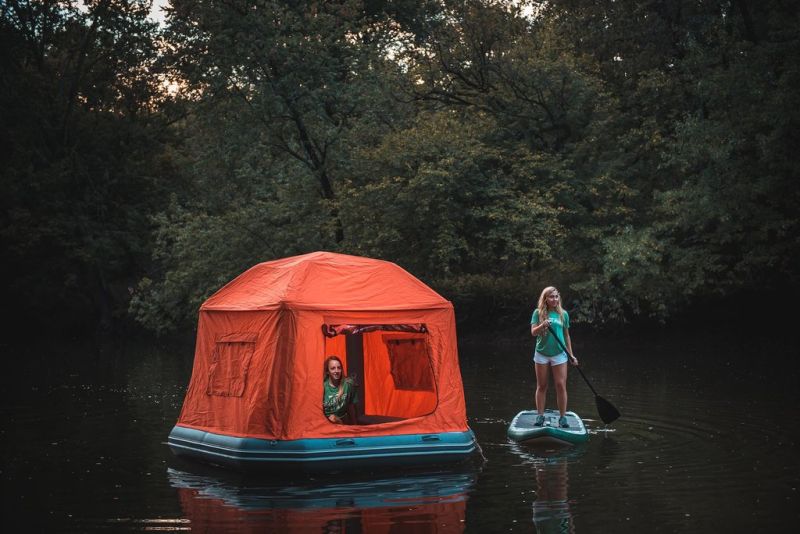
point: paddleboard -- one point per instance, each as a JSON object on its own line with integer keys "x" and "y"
{"x": 522, "y": 428}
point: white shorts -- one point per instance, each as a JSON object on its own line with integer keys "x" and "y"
{"x": 558, "y": 359}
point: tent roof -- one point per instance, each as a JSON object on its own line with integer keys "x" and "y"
{"x": 325, "y": 281}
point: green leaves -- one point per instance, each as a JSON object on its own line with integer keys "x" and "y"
{"x": 638, "y": 155}
{"x": 80, "y": 149}
{"x": 459, "y": 203}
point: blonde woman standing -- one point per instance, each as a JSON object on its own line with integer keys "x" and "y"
{"x": 549, "y": 355}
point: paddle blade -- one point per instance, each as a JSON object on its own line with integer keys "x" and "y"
{"x": 608, "y": 413}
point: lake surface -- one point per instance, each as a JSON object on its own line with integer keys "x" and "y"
{"x": 707, "y": 442}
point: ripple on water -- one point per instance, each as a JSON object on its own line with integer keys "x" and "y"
{"x": 704, "y": 446}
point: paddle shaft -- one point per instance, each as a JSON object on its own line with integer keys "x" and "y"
{"x": 608, "y": 412}
{"x": 578, "y": 367}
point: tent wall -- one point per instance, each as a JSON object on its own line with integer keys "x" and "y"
{"x": 282, "y": 393}
{"x": 206, "y": 406}
{"x": 258, "y": 369}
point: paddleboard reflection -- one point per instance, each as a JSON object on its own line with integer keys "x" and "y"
{"x": 426, "y": 502}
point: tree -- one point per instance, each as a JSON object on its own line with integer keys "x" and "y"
{"x": 280, "y": 95}
{"x": 701, "y": 138}
{"x": 80, "y": 141}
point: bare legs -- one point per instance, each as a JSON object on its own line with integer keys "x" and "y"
{"x": 560, "y": 380}
{"x": 541, "y": 386}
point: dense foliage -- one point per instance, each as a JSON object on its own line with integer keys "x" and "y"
{"x": 636, "y": 153}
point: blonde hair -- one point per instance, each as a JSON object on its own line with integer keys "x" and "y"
{"x": 542, "y": 306}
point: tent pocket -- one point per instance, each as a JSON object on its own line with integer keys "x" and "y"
{"x": 230, "y": 361}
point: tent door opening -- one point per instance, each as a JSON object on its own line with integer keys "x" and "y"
{"x": 392, "y": 367}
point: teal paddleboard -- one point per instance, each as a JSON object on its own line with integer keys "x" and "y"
{"x": 523, "y": 429}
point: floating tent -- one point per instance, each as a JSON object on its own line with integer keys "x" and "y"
{"x": 255, "y": 394}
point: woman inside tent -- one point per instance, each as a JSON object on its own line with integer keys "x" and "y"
{"x": 339, "y": 394}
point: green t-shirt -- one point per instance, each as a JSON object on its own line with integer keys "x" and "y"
{"x": 545, "y": 344}
{"x": 333, "y": 403}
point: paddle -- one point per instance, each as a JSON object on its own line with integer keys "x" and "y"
{"x": 608, "y": 413}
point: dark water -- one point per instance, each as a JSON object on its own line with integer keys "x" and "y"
{"x": 708, "y": 442}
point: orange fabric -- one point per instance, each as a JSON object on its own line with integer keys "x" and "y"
{"x": 382, "y": 395}
{"x": 213, "y": 514}
{"x": 230, "y": 362}
{"x": 335, "y": 346}
{"x": 277, "y": 309}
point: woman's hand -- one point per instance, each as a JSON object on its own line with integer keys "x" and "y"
{"x": 545, "y": 326}
{"x": 573, "y": 360}
{"x": 540, "y": 329}
{"x": 333, "y": 419}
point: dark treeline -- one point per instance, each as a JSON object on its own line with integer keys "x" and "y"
{"x": 639, "y": 154}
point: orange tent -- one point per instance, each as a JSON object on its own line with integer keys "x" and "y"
{"x": 263, "y": 338}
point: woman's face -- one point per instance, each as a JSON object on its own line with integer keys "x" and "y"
{"x": 552, "y": 299}
{"x": 334, "y": 370}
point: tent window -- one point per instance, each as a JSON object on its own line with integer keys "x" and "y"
{"x": 411, "y": 368}
{"x": 230, "y": 362}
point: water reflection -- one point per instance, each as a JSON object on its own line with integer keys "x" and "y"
{"x": 708, "y": 443}
{"x": 551, "y": 507}
{"x": 422, "y": 502}
{"x": 551, "y": 511}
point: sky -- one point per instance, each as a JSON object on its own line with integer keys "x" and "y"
{"x": 156, "y": 12}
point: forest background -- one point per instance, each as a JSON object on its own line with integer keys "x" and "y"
{"x": 640, "y": 155}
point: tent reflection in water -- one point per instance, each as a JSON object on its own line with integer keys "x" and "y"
{"x": 255, "y": 396}
{"x": 415, "y": 502}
